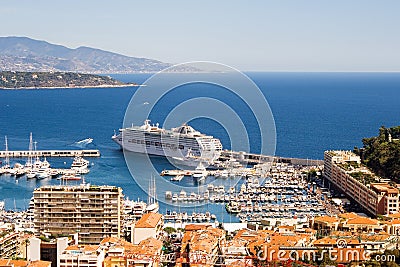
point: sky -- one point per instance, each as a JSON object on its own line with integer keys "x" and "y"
{"x": 280, "y": 35}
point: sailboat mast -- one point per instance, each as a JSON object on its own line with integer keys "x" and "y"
{"x": 37, "y": 156}
{"x": 30, "y": 149}
{"x": 152, "y": 191}
{"x": 149, "y": 198}
{"x": 7, "y": 156}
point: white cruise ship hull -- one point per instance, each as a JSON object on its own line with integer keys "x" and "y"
{"x": 175, "y": 143}
{"x": 151, "y": 149}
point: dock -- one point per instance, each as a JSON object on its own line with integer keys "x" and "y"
{"x": 254, "y": 159}
{"x": 50, "y": 153}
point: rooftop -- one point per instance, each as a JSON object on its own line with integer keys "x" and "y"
{"x": 149, "y": 220}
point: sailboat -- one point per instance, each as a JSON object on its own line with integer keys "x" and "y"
{"x": 6, "y": 167}
{"x": 29, "y": 163}
{"x": 152, "y": 204}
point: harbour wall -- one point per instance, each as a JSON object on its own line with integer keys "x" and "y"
{"x": 252, "y": 159}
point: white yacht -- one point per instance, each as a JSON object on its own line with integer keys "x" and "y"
{"x": 79, "y": 162}
{"x": 43, "y": 173}
{"x": 200, "y": 173}
{"x": 174, "y": 143}
{"x": 80, "y": 165}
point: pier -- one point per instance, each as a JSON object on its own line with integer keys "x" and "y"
{"x": 254, "y": 159}
{"x": 50, "y": 153}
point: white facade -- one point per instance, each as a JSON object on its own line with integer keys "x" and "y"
{"x": 62, "y": 244}
{"x": 82, "y": 258}
{"x": 140, "y": 234}
{"x": 33, "y": 249}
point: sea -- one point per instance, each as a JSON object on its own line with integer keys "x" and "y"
{"x": 312, "y": 112}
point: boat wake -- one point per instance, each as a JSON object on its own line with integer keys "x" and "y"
{"x": 83, "y": 143}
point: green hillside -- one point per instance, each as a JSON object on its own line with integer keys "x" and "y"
{"x": 382, "y": 153}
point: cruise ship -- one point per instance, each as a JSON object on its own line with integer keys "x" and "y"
{"x": 174, "y": 143}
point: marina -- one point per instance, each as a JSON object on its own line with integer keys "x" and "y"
{"x": 272, "y": 188}
{"x": 269, "y": 190}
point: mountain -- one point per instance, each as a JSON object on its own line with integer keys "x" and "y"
{"x": 26, "y": 54}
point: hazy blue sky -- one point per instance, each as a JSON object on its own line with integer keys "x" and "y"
{"x": 298, "y": 35}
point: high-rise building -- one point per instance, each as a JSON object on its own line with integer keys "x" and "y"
{"x": 94, "y": 212}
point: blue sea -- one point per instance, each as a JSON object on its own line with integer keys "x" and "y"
{"x": 313, "y": 112}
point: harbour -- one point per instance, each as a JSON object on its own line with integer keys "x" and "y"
{"x": 110, "y": 167}
{"x": 279, "y": 190}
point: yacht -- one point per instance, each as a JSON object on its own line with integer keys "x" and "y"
{"x": 200, "y": 173}
{"x": 43, "y": 173}
{"x": 80, "y": 165}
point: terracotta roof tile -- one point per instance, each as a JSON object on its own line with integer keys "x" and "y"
{"x": 148, "y": 220}
{"x": 196, "y": 227}
{"x": 8, "y": 262}
{"x": 326, "y": 219}
{"x": 39, "y": 264}
{"x": 362, "y": 220}
{"x": 348, "y": 215}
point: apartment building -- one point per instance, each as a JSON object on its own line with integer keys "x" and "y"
{"x": 82, "y": 256}
{"x": 8, "y": 244}
{"x": 94, "y": 212}
{"x": 150, "y": 225}
{"x": 375, "y": 194}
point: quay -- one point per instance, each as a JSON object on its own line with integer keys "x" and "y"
{"x": 50, "y": 153}
{"x": 254, "y": 159}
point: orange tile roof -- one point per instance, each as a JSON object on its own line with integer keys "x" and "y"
{"x": 8, "y": 262}
{"x": 147, "y": 247}
{"x": 394, "y": 221}
{"x": 348, "y": 215}
{"x": 286, "y": 227}
{"x": 85, "y": 248}
{"x": 394, "y": 215}
{"x": 326, "y": 219}
{"x": 374, "y": 237}
{"x": 196, "y": 227}
{"x": 247, "y": 234}
{"x": 151, "y": 244}
{"x": 333, "y": 241}
{"x": 202, "y": 240}
{"x": 39, "y": 264}
{"x": 110, "y": 239}
{"x": 237, "y": 263}
{"x": 341, "y": 234}
{"x": 148, "y": 220}
{"x": 362, "y": 220}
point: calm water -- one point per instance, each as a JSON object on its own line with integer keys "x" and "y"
{"x": 313, "y": 112}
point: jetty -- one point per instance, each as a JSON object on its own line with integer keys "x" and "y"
{"x": 254, "y": 159}
{"x": 50, "y": 153}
